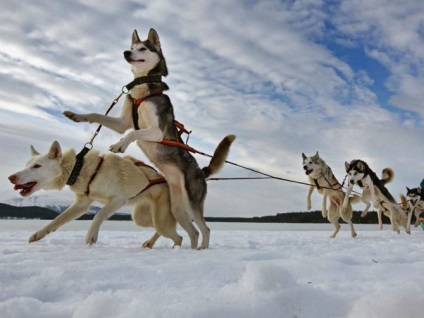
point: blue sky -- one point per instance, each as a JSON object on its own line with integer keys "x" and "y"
{"x": 343, "y": 78}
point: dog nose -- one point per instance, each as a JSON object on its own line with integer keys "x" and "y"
{"x": 305, "y": 167}
{"x": 352, "y": 182}
{"x": 12, "y": 178}
{"x": 127, "y": 53}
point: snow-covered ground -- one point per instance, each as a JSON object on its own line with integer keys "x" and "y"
{"x": 251, "y": 270}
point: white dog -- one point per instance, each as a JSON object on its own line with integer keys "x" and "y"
{"x": 109, "y": 179}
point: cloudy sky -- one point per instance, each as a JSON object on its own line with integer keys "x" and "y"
{"x": 344, "y": 78}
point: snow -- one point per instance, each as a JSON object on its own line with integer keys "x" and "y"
{"x": 250, "y": 270}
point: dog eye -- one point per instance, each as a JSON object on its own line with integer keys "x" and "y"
{"x": 142, "y": 49}
{"x": 36, "y": 166}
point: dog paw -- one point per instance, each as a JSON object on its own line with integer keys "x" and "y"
{"x": 120, "y": 146}
{"x": 75, "y": 117}
{"x": 37, "y": 236}
{"x": 147, "y": 244}
{"x": 91, "y": 238}
{"x": 364, "y": 214}
{"x": 309, "y": 206}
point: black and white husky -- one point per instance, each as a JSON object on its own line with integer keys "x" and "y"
{"x": 359, "y": 173}
{"x": 415, "y": 198}
{"x": 150, "y": 116}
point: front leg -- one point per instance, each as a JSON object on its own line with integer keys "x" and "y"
{"x": 106, "y": 212}
{"x": 153, "y": 134}
{"x": 308, "y": 197}
{"x": 345, "y": 204}
{"x": 118, "y": 124}
{"x": 324, "y": 203}
{"x": 78, "y": 208}
{"x": 374, "y": 199}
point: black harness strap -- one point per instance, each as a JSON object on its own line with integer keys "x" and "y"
{"x": 143, "y": 80}
{"x": 135, "y": 116}
{"x": 78, "y": 166}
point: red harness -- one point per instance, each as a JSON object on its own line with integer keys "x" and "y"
{"x": 151, "y": 182}
{"x": 180, "y": 127}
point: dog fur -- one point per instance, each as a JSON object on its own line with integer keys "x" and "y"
{"x": 116, "y": 183}
{"x": 187, "y": 182}
{"x": 321, "y": 177}
{"x": 415, "y": 199}
{"x": 360, "y": 173}
{"x": 387, "y": 176}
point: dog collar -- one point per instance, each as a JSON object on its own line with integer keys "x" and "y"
{"x": 142, "y": 80}
{"x": 78, "y": 166}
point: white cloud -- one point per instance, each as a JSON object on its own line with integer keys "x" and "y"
{"x": 256, "y": 69}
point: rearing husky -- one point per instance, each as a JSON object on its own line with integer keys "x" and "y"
{"x": 152, "y": 121}
{"x": 360, "y": 173}
{"x": 321, "y": 175}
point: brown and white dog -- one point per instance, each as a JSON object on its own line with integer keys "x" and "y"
{"x": 321, "y": 177}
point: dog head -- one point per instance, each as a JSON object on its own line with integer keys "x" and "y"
{"x": 313, "y": 166}
{"x": 414, "y": 195}
{"x": 145, "y": 57}
{"x": 40, "y": 171}
{"x": 356, "y": 171}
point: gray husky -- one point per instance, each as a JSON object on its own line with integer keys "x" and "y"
{"x": 150, "y": 115}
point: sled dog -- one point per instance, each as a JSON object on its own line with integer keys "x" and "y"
{"x": 321, "y": 176}
{"x": 415, "y": 197}
{"x": 386, "y": 176}
{"x": 359, "y": 173}
{"x": 150, "y": 115}
{"x": 109, "y": 179}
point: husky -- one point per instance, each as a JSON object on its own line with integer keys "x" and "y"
{"x": 109, "y": 179}
{"x": 387, "y": 176}
{"x": 150, "y": 116}
{"x": 359, "y": 173}
{"x": 321, "y": 176}
{"x": 415, "y": 198}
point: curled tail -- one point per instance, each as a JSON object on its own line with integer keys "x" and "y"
{"x": 404, "y": 202}
{"x": 387, "y": 175}
{"x": 219, "y": 156}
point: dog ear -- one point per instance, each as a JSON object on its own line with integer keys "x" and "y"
{"x": 154, "y": 39}
{"x": 34, "y": 152}
{"x": 303, "y": 156}
{"x": 407, "y": 189}
{"x": 55, "y": 151}
{"x": 361, "y": 166}
{"x": 134, "y": 37}
{"x": 347, "y": 166}
{"x": 419, "y": 190}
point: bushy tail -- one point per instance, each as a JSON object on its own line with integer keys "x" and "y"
{"x": 387, "y": 175}
{"x": 219, "y": 156}
{"x": 403, "y": 202}
{"x": 354, "y": 199}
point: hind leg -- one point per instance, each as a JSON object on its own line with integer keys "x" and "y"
{"x": 333, "y": 217}
{"x": 178, "y": 209}
{"x": 347, "y": 217}
{"x": 151, "y": 241}
{"x": 164, "y": 221}
{"x": 199, "y": 219}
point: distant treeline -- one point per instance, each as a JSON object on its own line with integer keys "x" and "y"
{"x": 34, "y": 212}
